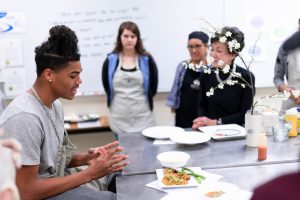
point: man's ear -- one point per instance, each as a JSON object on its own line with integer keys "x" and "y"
{"x": 48, "y": 75}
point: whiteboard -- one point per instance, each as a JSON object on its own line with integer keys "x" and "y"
{"x": 164, "y": 26}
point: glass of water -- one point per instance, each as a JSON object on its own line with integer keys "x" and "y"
{"x": 281, "y": 131}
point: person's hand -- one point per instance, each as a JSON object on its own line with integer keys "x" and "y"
{"x": 203, "y": 121}
{"x": 95, "y": 152}
{"x": 16, "y": 149}
{"x": 10, "y": 159}
{"x": 105, "y": 160}
{"x": 297, "y": 100}
{"x": 294, "y": 95}
{"x": 283, "y": 87}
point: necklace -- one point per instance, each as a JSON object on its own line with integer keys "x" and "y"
{"x": 228, "y": 78}
{"x": 48, "y": 114}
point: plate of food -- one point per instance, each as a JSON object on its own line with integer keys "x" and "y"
{"x": 81, "y": 118}
{"x": 224, "y": 132}
{"x": 190, "y": 137}
{"x": 219, "y": 191}
{"x": 181, "y": 177}
{"x": 161, "y": 132}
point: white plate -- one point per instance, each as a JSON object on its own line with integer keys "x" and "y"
{"x": 230, "y": 190}
{"x": 190, "y": 137}
{"x": 189, "y": 195}
{"x": 224, "y": 132}
{"x": 160, "y": 174}
{"x": 161, "y": 132}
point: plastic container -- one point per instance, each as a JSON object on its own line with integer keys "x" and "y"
{"x": 298, "y": 121}
{"x": 291, "y": 116}
{"x": 262, "y": 146}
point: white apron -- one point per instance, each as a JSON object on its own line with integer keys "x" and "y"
{"x": 129, "y": 110}
{"x": 294, "y": 77}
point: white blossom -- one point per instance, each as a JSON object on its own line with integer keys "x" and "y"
{"x": 185, "y": 65}
{"x": 243, "y": 85}
{"x": 210, "y": 59}
{"x": 221, "y": 85}
{"x": 207, "y": 71}
{"x": 230, "y": 82}
{"x": 230, "y": 45}
{"x": 198, "y": 66}
{"x": 237, "y": 74}
{"x": 191, "y": 66}
{"x": 216, "y": 71}
{"x": 228, "y": 34}
{"x": 222, "y": 39}
{"x": 237, "y": 45}
{"x": 226, "y": 69}
{"x": 210, "y": 92}
{"x": 220, "y": 63}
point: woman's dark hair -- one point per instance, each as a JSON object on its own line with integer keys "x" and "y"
{"x": 139, "y": 47}
{"x": 60, "y": 48}
{"x": 236, "y": 34}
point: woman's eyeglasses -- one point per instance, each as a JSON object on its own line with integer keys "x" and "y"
{"x": 197, "y": 47}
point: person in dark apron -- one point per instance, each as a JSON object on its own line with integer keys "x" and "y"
{"x": 183, "y": 97}
{"x": 35, "y": 119}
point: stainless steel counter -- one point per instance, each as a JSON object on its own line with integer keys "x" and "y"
{"x": 212, "y": 155}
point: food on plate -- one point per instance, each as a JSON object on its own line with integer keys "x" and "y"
{"x": 175, "y": 177}
{"x": 215, "y": 194}
{"x": 198, "y": 177}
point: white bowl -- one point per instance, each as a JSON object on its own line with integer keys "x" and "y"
{"x": 173, "y": 159}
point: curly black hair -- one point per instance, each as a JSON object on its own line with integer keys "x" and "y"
{"x": 60, "y": 48}
{"x": 237, "y": 35}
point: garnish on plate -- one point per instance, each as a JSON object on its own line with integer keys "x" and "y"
{"x": 215, "y": 194}
{"x": 190, "y": 172}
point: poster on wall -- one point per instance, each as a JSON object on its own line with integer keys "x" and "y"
{"x": 11, "y": 53}
{"x": 14, "y": 81}
{"x": 12, "y": 22}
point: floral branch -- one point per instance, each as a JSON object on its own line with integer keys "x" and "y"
{"x": 269, "y": 107}
{"x": 268, "y": 97}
